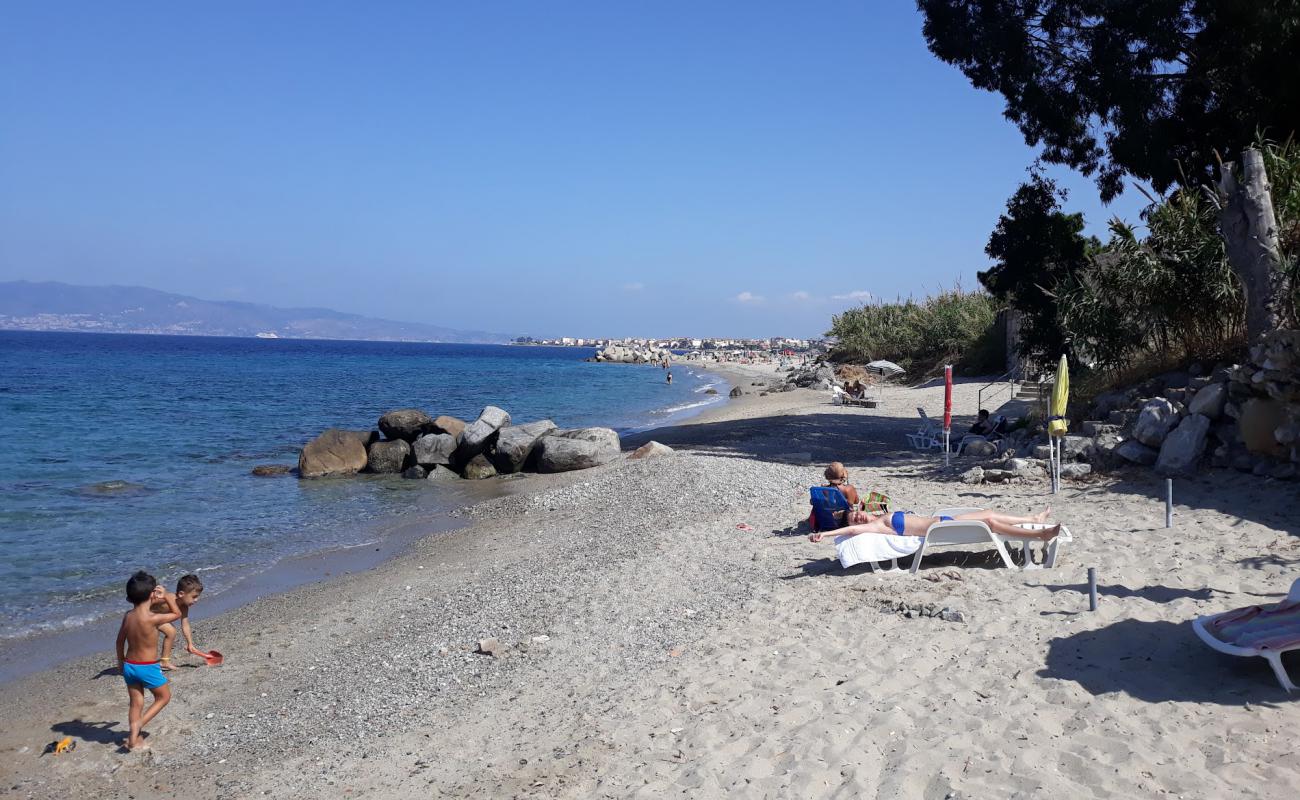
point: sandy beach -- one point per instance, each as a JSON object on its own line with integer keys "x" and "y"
{"x": 649, "y": 647}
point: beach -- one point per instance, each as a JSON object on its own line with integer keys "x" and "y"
{"x": 648, "y": 646}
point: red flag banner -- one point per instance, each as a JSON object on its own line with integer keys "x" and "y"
{"x": 947, "y": 398}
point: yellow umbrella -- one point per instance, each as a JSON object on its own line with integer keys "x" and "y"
{"x": 1060, "y": 396}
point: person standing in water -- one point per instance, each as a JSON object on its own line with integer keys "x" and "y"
{"x": 670, "y": 377}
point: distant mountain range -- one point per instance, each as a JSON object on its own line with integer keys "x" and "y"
{"x": 50, "y": 306}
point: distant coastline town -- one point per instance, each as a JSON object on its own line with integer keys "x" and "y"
{"x": 772, "y": 345}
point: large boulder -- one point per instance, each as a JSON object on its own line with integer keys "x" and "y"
{"x": 1135, "y": 452}
{"x": 980, "y": 449}
{"x": 1183, "y": 447}
{"x": 449, "y": 425}
{"x": 515, "y": 445}
{"x": 1259, "y": 420}
{"x": 559, "y": 453}
{"x": 407, "y": 424}
{"x": 1074, "y": 448}
{"x": 334, "y": 452}
{"x": 1157, "y": 418}
{"x": 606, "y": 437}
{"x": 478, "y": 468}
{"x": 1209, "y": 401}
{"x": 434, "y": 448}
{"x": 389, "y": 457}
{"x": 481, "y": 434}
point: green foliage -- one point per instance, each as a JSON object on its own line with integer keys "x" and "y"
{"x": 1036, "y": 247}
{"x": 1151, "y": 88}
{"x": 952, "y": 327}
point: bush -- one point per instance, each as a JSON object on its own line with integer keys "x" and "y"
{"x": 952, "y": 327}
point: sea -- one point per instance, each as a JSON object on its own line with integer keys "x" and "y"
{"x": 126, "y": 452}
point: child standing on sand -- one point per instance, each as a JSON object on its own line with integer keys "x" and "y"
{"x": 188, "y": 589}
{"x": 137, "y": 651}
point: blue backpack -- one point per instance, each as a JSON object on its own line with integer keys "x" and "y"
{"x": 826, "y": 502}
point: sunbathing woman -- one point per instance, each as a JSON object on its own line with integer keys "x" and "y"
{"x": 902, "y": 523}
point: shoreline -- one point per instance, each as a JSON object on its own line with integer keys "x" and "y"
{"x": 392, "y": 537}
{"x": 650, "y": 647}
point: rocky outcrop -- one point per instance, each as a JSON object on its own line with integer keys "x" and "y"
{"x": 415, "y": 472}
{"x": 449, "y": 425}
{"x": 1156, "y": 419}
{"x": 632, "y": 354}
{"x": 736, "y": 391}
{"x": 1259, "y": 420}
{"x": 481, "y": 434}
{"x": 1183, "y": 447}
{"x": 1209, "y": 401}
{"x": 435, "y": 448}
{"x": 478, "y": 468}
{"x": 579, "y": 449}
{"x": 1135, "y": 452}
{"x": 389, "y": 457}
{"x": 516, "y": 443}
{"x": 271, "y": 470}
{"x": 407, "y": 424}
{"x": 334, "y": 452}
{"x": 980, "y": 449}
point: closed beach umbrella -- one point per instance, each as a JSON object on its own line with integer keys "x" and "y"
{"x": 947, "y": 409}
{"x": 1056, "y": 424}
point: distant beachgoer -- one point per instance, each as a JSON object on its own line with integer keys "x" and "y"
{"x": 137, "y": 652}
{"x": 188, "y": 589}
{"x": 902, "y": 523}
{"x": 670, "y": 377}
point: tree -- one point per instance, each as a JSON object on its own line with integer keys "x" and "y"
{"x": 1149, "y": 88}
{"x": 1036, "y": 247}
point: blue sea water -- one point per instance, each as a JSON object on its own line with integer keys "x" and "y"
{"x": 180, "y": 421}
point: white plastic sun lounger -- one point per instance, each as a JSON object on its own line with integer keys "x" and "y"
{"x": 959, "y": 531}
{"x": 1264, "y": 631}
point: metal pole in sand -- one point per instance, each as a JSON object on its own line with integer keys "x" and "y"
{"x": 1169, "y": 502}
{"x": 945, "y": 448}
{"x": 1092, "y": 588}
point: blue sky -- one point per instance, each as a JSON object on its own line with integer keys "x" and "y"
{"x": 561, "y": 168}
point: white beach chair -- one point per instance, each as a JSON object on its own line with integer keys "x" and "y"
{"x": 962, "y": 531}
{"x": 1269, "y": 640}
{"x": 927, "y": 436}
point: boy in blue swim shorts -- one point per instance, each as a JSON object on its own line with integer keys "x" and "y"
{"x": 137, "y": 652}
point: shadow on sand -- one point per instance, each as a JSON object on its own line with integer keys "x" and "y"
{"x": 1152, "y": 594}
{"x": 1159, "y": 662}
{"x": 97, "y": 732}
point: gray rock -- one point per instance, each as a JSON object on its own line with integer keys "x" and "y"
{"x": 479, "y": 468}
{"x": 736, "y": 392}
{"x": 434, "y": 448}
{"x": 415, "y": 472}
{"x": 271, "y": 470}
{"x": 1094, "y": 428}
{"x": 1103, "y": 449}
{"x": 1209, "y": 401}
{"x": 999, "y": 475}
{"x": 1182, "y": 448}
{"x": 558, "y": 453}
{"x": 1245, "y": 462}
{"x": 334, "y": 452}
{"x": 481, "y": 434}
{"x": 980, "y": 449}
{"x": 440, "y": 474}
{"x": 407, "y": 424}
{"x": 607, "y": 437}
{"x": 951, "y": 615}
{"x": 490, "y": 647}
{"x": 449, "y": 425}
{"x": 1157, "y": 418}
{"x": 1075, "y": 447}
{"x": 388, "y": 457}
{"x": 650, "y": 450}
{"x": 1043, "y": 451}
{"x": 1135, "y": 452}
{"x": 710, "y": 391}
{"x": 1110, "y": 402}
{"x": 1020, "y": 463}
{"x": 1075, "y": 471}
{"x": 1284, "y": 472}
{"x": 973, "y": 476}
{"x": 515, "y": 445}
{"x": 1119, "y": 418}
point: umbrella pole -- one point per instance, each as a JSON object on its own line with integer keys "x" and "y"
{"x": 945, "y": 447}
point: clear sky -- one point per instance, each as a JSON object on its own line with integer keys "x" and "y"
{"x": 554, "y": 168}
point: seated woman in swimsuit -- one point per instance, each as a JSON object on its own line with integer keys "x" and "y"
{"x": 901, "y": 523}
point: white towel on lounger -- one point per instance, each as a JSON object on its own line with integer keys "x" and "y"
{"x": 874, "y": 547}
